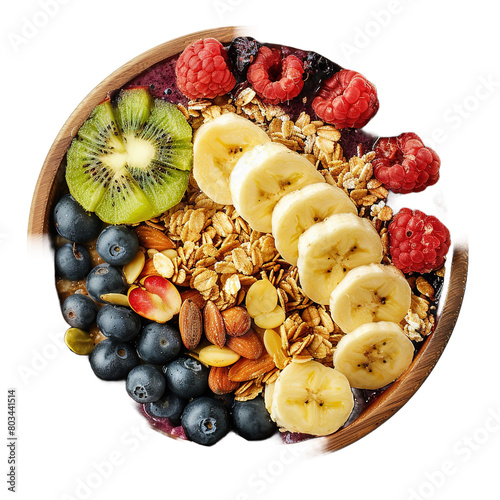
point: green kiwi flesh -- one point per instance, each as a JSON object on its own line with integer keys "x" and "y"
{"x": 131, "y": 159}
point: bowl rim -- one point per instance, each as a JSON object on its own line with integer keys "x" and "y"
{"x": 400, "y": 391}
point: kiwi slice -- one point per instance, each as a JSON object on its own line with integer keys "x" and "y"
{"x": 131, "y": 159}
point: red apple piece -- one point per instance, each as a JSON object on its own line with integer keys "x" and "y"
{"x": 155, "y": 298}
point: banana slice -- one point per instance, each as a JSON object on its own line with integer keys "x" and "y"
{"x": 263, "y": 176}
{"x": 217, "y": 146}
{"x": 310, "y": 398}
{"x": 328, "y": 250}
{"x": 298, "y": 211}
{"x": 370, "y": 293}
{"x": 373, "y": 355}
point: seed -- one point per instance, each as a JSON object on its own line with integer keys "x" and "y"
{"x": 271, "y": 319}
{"x": 261, "y": 298}
{"x": 79, "y": 341}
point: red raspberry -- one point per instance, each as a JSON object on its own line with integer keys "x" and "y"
{"x": 276, "y": 80}
{"x": 347, "y": 99}
{"x": 417, "y": 242}
{"x": 404, "y": 165}
{"x": 202, "y": 70}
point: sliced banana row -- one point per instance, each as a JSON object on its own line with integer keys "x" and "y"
{"x": 337, "y": 253}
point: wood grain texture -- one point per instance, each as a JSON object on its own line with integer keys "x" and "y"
{"x": 388, "y": 403}
{"x": 391, "y": 400}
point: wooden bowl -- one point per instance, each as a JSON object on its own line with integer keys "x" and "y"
{"x": 392, "y": 399}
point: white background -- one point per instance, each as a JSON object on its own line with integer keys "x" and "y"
{"x": 436, "y": 68}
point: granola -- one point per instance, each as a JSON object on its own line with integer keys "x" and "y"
{"x": 218, "y": 254}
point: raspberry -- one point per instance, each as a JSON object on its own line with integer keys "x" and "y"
{"x": 202, "y": 70}
{"x": 417, "y": 242}
{"x": 347, "y": 99}
{"x": 404, "y": 165}
{"x": 276, "y": 80}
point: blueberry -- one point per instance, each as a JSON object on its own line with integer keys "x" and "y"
{"x": 226, "y": 399}
{"x": 251, "y": 420}
{"x": 145, "y": 384}
{"x": 187, "y": 377}
{"x": 112, "y": 360}
{"x": 242, "y": 52}
{"x": 317, "y": 68}
{"x": 159, "y": 343}
{"x": 74, "y": 223}
{"x": 205, "y": 421}
{"x": 72, "y": 261}
{"x": 168, "y": 406}
{"x": 105, "y": 279}
{"x": 118, "y": 323}
{"x": 117, "y": 245}
{"x": 79, "y": 311}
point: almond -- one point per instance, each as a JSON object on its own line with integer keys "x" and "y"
{"x": 190, "y": 324}
{"x": 195, "y": 296}
{"x": 215, "y": 331}
{"x": 149, "y": 237}
{"x": 148, "y": 269}
{"x": 219, "y": 382}
{"x": 249, "y": 345}
{"x": 248, "y": 369}
{"x": 237, "y": 321}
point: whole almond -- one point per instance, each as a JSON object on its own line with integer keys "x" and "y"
{"x": 249, "y": 345}
{"x": 247, "y": 369}
{"x": 215, "y": 331}
{"x": 190, "y": 324}
{"x": 195, "y": 296}
{"x": 149, "y": 237}
{"x": 237, "y": 321}
{"x": 219, "y": 382}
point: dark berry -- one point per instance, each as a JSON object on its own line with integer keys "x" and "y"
{"x": 226, "y": 399}
{"x": 79, "y": 311}
{"x": 159, "y": 343}
{"x": 72, "y": 261}
{"x": 117, "y": 245}
{"x": 205, "y": 421}
{"x": 316, "y": 69}
{"x": 187, "y": 377}
{"x": 241, "y": 52}
{"x": 251, "y": 420}
{"x": 168, "y": 406}
{"x": 118, "y": 323}
{"x": 73, "y": 222}
{"x": 145, "y": 384}
{"x": 105, "y": 279}
{"x": 112, "y": 360}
